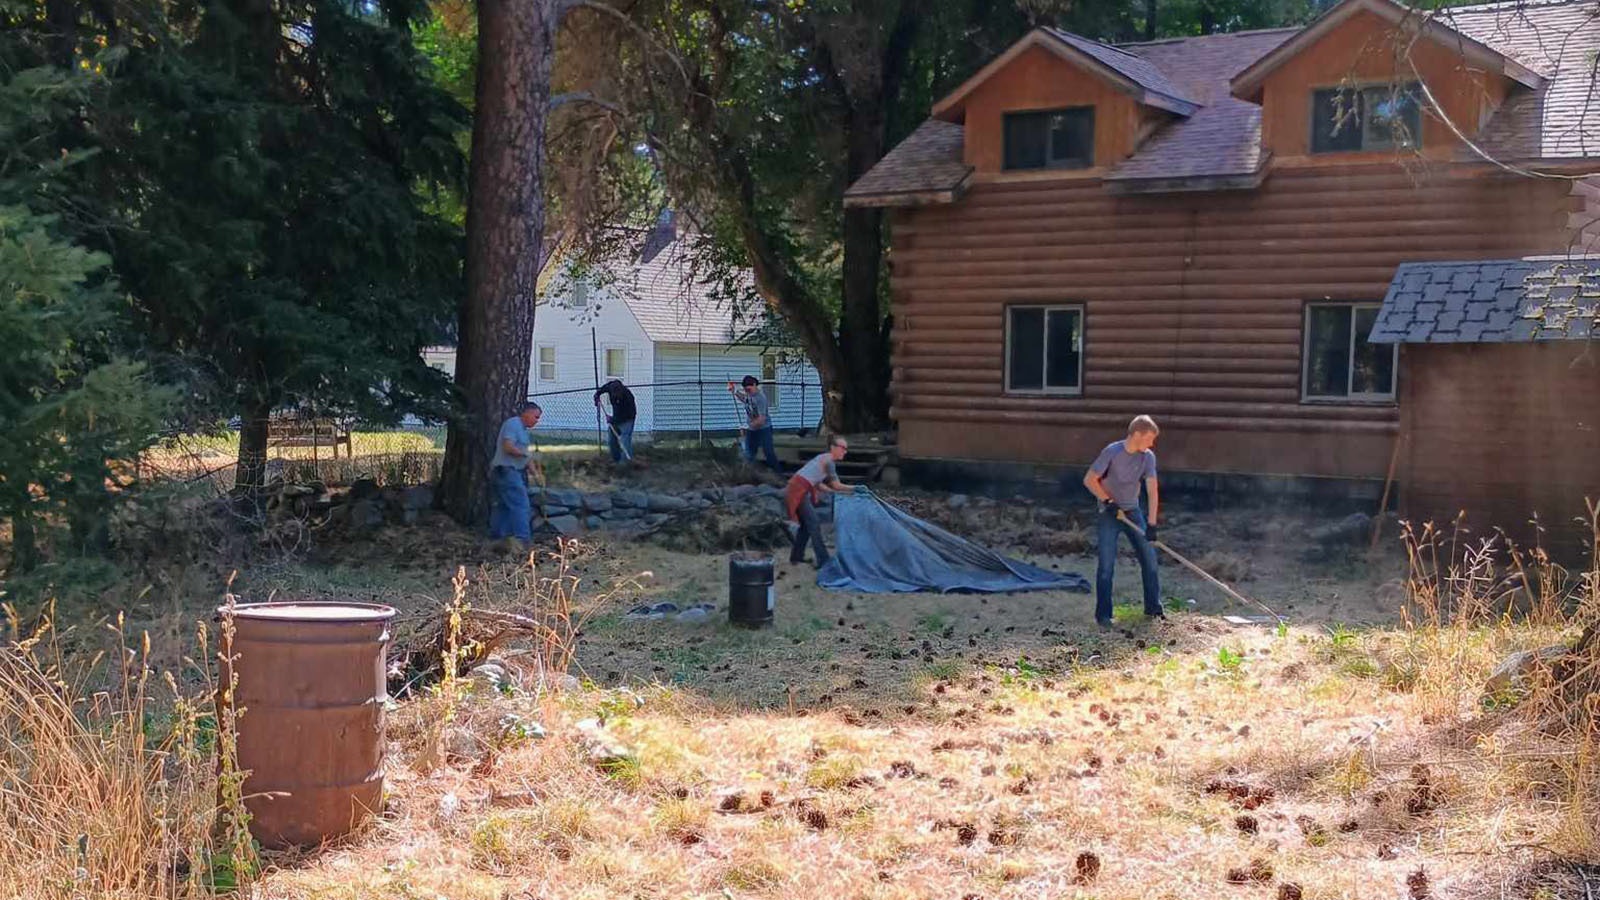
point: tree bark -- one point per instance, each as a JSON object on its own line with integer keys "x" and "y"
{"x": 250, "y": 473}
{"x": 1149, "y": 20}
{"x": 505, "y": 225}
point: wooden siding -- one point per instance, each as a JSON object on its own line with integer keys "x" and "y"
{"x": 1503, "y": 432}
{"x": 1038, "y": 79}
{"x": 1368, "y": 50}
{"x": 1193, "y": 308}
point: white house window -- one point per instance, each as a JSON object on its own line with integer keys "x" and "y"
{"x": 1340, "y": 364}
{"x": 547, "y": 362}
{"x": 579, "y": 297}
{"x": 616, "y": 363}
{"x": 769, "y": 378}
{"x": 1044, "y": 349}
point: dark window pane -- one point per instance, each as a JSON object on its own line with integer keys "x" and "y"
{"x": 1328, "y": 352}
{"x": 1374, "y": 363}
{"x": 1026, "y": 369}
{"x": 1072, "y": 138}
{"x": 1027, "y": 140}
{"x": 1061, "y": 369}
{"x": 1391, "y": 117}
{"x": 1335, "y": 121}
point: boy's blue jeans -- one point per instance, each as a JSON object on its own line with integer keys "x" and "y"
{"x": 1106, "y": 530}
{"x": 761, "y": 439}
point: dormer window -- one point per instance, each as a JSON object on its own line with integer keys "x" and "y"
{"x": 1385, "y": 117}
{"x": 1050, "y": 139}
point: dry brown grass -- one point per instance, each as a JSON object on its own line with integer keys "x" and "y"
{"x": 108, "y": 793}
{"x": 1310, "y": 763}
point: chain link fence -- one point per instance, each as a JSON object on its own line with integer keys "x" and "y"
{"x": 679, "y": 413}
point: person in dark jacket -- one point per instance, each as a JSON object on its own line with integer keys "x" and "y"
{"x": 623, "y": 411}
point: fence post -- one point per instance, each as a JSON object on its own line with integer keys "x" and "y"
{"x": 594, "y": 355}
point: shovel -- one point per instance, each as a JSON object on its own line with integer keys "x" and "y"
{"x": 1184, "y": 561}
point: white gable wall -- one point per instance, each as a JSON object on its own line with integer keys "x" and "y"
{"x": 680, "y": 407}
{"x": 567, "y": 329}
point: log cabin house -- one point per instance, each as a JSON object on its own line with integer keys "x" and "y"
{"x": 1312, "y": 254}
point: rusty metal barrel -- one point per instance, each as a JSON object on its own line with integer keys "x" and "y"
{"x": 312, "y": 689}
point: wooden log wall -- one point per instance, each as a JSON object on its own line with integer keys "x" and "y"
{"x": 1504, "y": 433}
{"x": 1194, "y": 305}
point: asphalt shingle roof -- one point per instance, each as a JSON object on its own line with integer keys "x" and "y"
{"x": 929, "y": 160}
{"x": 1131, "y": 66}
{"x": 1560, "y": 120}
{"x": 1224, "y": 136}
{"x": 1491, "y": 301}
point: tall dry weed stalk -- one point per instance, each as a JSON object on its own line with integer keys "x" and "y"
{"x": 109, "y": 793}
{"x": 1470, "y": 606}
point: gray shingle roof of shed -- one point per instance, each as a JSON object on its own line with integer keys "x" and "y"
{"x": 1491, "y": 301}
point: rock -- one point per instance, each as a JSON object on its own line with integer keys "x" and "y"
{"x": 564, "y": 496}
{"x": 363, "y": 488}
{"x": 552, "y": 509}
{"x": 631, "y": 499}
{"x": 418, "y": 497}
{"x": 597, "y": 502}
{"x": 623, "y": 513}
{"x": 460, "y": 743}
{"x": 366, "y": 513}
{"x": 702, "y": 503}
{"x": 957, "y": 501}
{"x": 566, "y": 526}
{"x": 1511, "y": 676}
{"x": 603, "y": 749}
{"x": 655, "y": 519}
{"x": 667, "y": 503}
{"x": 594, "y": 523}
{"x": 769, "y": 490}
{"x": 738, "y": 491}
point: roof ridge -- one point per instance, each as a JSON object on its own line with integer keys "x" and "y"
{"x": 1506, "y": 5}
{"x": 1073, "y": 34}
{"x": 1279, "y": 29}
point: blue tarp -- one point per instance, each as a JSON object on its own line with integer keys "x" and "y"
{"x": 884, "y": 550}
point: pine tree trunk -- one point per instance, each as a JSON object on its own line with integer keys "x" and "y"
{"x": 1149, "y": 20}
{"x": 250, "y": 474}
{"x": 505, "y": 225}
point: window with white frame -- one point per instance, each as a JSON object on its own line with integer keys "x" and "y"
{"x": 547, "y": 362}
{"x": 579, "y": 296}
{"x": 769, "y": 378}
{"x": 616, "y": 363}
{"x": 1044, "y": 349}
{"x": 1340, "y": 363}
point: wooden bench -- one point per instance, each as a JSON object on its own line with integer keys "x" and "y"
{"x": 308, "y": 431}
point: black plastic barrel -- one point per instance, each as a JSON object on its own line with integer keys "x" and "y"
{"x": 750, "y": 590}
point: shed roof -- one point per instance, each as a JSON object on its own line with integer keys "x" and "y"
{"x": 1491, "y": 301}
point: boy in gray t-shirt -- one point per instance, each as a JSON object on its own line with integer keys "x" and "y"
{"x": 1114, "y": 478}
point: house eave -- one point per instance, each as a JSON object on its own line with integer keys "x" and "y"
{"x": 907, "y": 199}
{"x": 1246, "y": 181}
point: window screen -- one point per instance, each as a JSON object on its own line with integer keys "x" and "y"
{"x": 1052, "y": 139}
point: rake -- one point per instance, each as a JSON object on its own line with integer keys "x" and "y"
{"x": 1187, "y": 564}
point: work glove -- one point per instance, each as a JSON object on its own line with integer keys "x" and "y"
{"x": 862, "y": 490}
{"x": 1108, "y": 508}
{"x": 1150, "y": 533}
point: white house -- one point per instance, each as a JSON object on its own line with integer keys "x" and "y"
{"x": 656, "y": 322}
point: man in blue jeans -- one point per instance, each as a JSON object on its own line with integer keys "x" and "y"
{"x": 510, "y": 513}
{"x": 1114, "y": 479}
{"x": 758, "y": 433}
{"x": 623, "y": 412}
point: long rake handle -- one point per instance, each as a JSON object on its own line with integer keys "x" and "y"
{"x": 1184, "y": 561}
